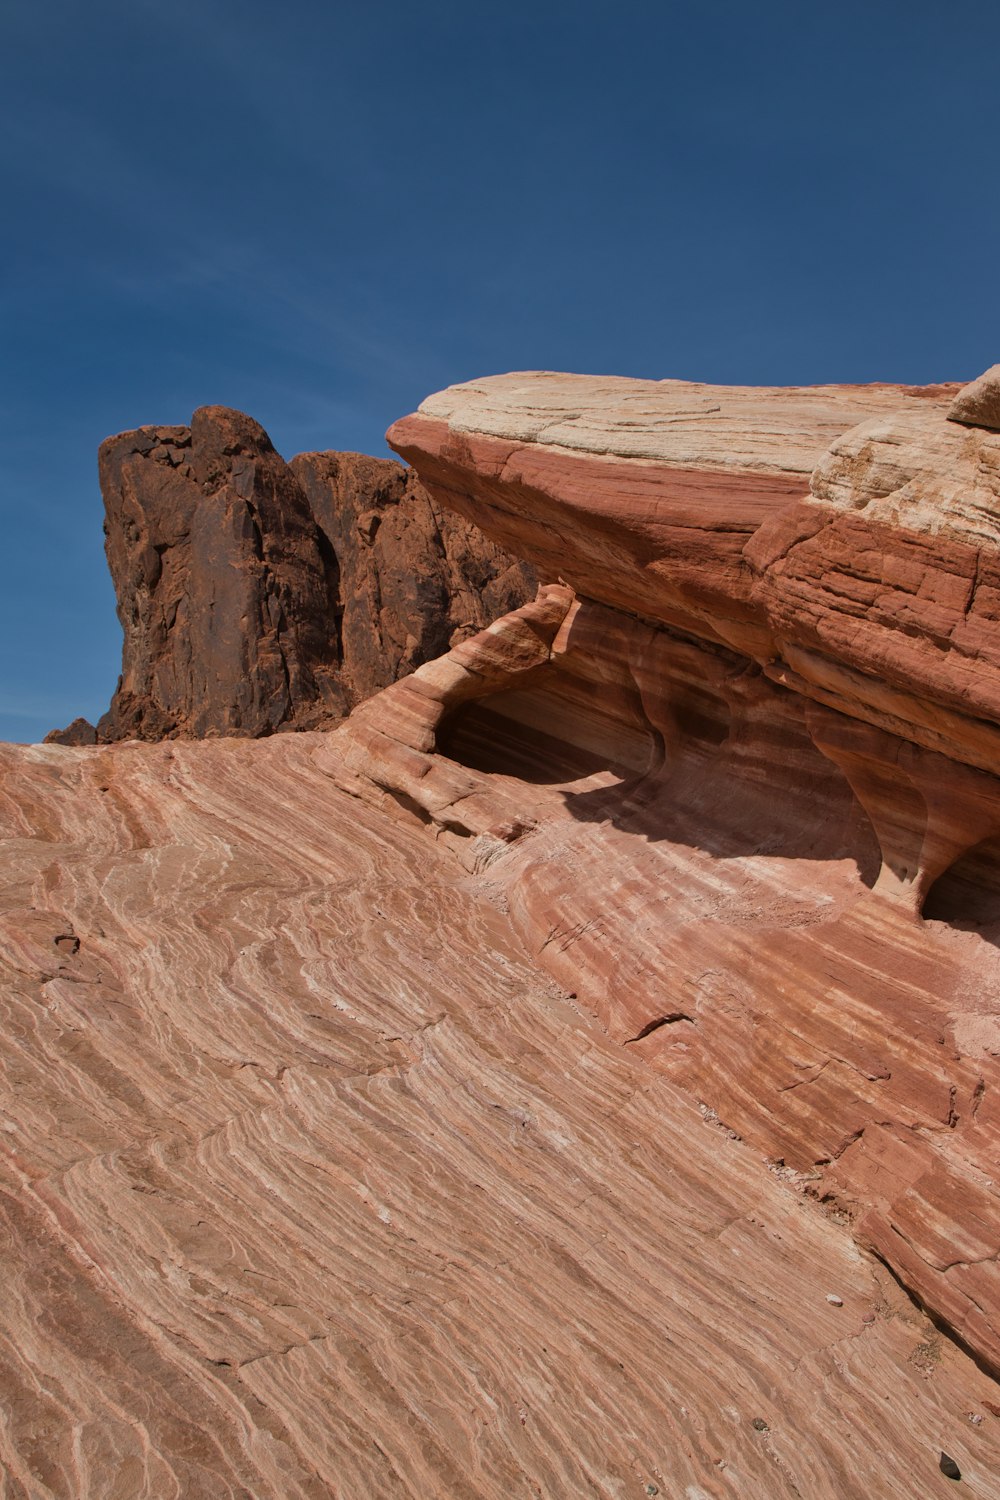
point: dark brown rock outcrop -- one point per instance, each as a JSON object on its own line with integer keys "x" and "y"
{"x": 414, "y": 578}
{"x": 80, "y": 732}
{"x": 257, "y": 595}
{"x": 224, "y": 593}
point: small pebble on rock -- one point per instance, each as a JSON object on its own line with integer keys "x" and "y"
{"x": 759, "y": 1425}
{"x": 949, "y": 1467}
{"x": 832, "y": 1297}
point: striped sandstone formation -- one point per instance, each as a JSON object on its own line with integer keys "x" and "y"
{"x": 732, "y": 769}
{"x": 314, "y": 1185}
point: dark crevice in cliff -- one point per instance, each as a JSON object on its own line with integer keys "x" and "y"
{"x": 967, "y": 895}
{"x": 990, "y": 1370}
{"x": 660, "y": 1021}
{"x": 331, "y": 569}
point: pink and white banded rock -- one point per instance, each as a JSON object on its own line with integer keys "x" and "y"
{"x": 761, "y": 745}
{"x": 313, "y": 1184}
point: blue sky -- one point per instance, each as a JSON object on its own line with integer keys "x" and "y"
{"x": 321, "y": 212}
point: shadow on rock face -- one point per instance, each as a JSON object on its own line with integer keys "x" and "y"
{"x": 731, "y": 785}
{"x": 967, "y": 896}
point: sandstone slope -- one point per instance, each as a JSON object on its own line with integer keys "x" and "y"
{"x": 314, "y": 1187}
{"x": 548, "y": 1083}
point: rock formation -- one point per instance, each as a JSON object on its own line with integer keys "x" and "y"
{"x": 720, "y": 767}
{"x": 978, "y": 403}
{"x": 579, "y": 1073}
{"x": 224, "y": 594}
{"x": 414, "y": 579}
{"x": 253, "y": 602}
{"x": 80, "y": 732}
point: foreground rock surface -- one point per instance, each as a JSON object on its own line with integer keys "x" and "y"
{"x": 314, "y": 1185}
{"x": 258, "y": 596}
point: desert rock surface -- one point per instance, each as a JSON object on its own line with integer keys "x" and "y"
{"x": 313, "y": 1186}
{"x": 757, "y": 711}
{"x": 413, "y": 579}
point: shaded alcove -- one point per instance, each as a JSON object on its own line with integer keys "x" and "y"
{"x": 967, "y": 895}
{"x": 732, "y": 784}
{"x": 552, "y": 730}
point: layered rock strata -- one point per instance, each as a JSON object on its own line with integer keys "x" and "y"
{"x": 258, "y": 596}
{"x": 739, "y": 744}
{"x": 313, "y": 1185}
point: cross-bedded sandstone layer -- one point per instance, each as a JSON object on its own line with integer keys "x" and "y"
{"x": 314, "y": 1186}
{"x": 732, "y": 771}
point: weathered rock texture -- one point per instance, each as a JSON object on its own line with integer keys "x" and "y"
{"x": 312, "y": 1185}
{"x": 225, "y": 597}
{"x": 741, "y": 741}
{"x": 978, "y": 403}
{"x": 337, "y": 1165}
{"x": 413, "y": 579}
{"x": 258, "y": 596}
{"x": 80, "y": 732}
